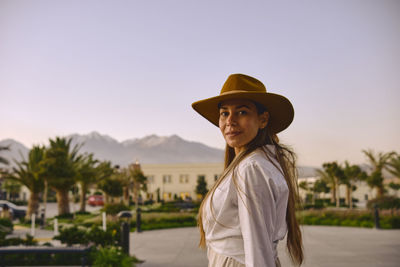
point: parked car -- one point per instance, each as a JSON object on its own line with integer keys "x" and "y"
{"x": 96, "y": 200}
{"x": 17, "y": 212}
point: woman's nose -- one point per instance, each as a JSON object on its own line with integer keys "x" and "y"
{"x": 231, "y": 120}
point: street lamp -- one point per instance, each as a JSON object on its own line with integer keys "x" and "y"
{"x": 125, "y": 217}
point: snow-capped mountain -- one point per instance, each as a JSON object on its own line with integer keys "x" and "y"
{"x": 16, "y": 151}
{"x": 149, "y": 149}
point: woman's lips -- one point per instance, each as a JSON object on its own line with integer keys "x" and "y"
{"x": 233, "y": 133}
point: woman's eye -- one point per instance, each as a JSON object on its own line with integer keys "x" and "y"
{"x": 223, "y": 114}
{"x": 242, "y": 112}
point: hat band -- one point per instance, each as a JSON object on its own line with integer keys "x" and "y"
{"x": 238, "y": 91}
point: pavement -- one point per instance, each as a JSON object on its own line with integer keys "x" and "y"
{"x": 324, "y": 246}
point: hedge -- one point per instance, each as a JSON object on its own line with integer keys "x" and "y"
{"x": 347, "y": 218}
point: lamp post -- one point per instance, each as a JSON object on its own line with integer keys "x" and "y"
{"x": 138, "y": 220}
{"x": 125, "y": 217}
{"x": 376, "y": 217}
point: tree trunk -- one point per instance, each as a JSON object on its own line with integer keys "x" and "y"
{"x": 380, "y": 191}
{"x": 347, "y": 200}
{"x": 136, "y": 196}
{"x": 337, "y": 195}
{"x": 33, "y": 205}
{"x": 62, "y": 201}
{"x": 45, "y": 200}
{"x": 333, "y": 194}
{"x": 351, "y": 197}
{"x": 82, "y": 203}
{"x": 107, "y": 199}
{"x": 126, "y": 195}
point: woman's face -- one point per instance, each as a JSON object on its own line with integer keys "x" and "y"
{"x": 239, "y": 122}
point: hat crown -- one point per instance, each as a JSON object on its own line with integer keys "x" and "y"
{"x": 241, "y": 82}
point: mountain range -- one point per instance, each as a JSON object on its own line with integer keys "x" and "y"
{"x": 152, "y": 149}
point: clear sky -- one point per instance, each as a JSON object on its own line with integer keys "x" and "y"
{"x": 132, "y": 68}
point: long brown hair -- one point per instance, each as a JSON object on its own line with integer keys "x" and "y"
{"x": 287, "y": 161}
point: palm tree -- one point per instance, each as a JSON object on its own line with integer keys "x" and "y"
{"x": 320, "y": 186}
{"x": 3, "y": 172}
{"x": 2, "y": 159}
{"x": 87, "y": 174}
{"x": 393, "y": 166}
{"x": 335, "y": 174}
{"x": 30, "y": 174}
{"x": 304, "y": 185}
{"x": 139, "y": 181}
{"x": 378, "y": 163}
{"x": 380, "y": 160}
{"x": 352, "y": 173}
{"x": 126, "y": 180}
{"x": 109, "y": 180}
{"x": 112, "y": 187}
{"x": 330, "y": 181}
{"x": 61, "y": 163}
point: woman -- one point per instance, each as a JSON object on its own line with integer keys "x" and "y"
{"x": 252, "y": 205}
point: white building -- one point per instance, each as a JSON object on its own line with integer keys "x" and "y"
{"x": 363, "y": 192}
{"x": 179, "y": 180}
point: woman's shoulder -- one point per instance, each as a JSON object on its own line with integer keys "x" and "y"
{"x": 263, "y": 156}
{"x": 264, "y": 162}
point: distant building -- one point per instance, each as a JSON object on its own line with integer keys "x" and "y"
{"x": 363, "y": 192}
{"x": 179, "y": 180}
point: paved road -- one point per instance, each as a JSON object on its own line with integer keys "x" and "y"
{"x": 324, "y": 246}
{"x": 52, "y": 209}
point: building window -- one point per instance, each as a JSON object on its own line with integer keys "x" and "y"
{"x": 167, "y": 179}
{"x": 167, "y": 196}
{"x": 366, "y": 197}
{"x": 150, "y": 179}
{"x": 185, "y": 195}
{"x": 184, "y": 178}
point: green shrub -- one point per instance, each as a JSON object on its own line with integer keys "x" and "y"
{"x": 392, "y": 222}
{"x": 45, "y": 259}
{"x": 16, "y": 241}
{"x": 6, "y": 226}
{"x": 76, "y": 235}
{"x": 111, "y": 237}
{"x": 114, "y": 209}
{"x": 82, "y": 213}
{"x": 6, "y": 222}
{"x": 110, "y": 257}
{"x": 354, "y": 218}
{"x": 164, "y": 223}
{"x": 385, "y": 203}
{"x": 65, "y": 216}
{"x": 367, "y": 224}
{"x": 166, "y": 207}
{"x": 72, "y": 235}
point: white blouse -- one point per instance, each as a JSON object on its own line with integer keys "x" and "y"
{"x": 249, "y": 222}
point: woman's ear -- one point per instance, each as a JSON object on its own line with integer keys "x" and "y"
{"x": 263, "y": 118}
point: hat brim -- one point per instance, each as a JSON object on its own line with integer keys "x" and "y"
{"x": 279, "y": 108}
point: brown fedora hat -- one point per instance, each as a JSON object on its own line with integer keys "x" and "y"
{"x": 240, "y": 86}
